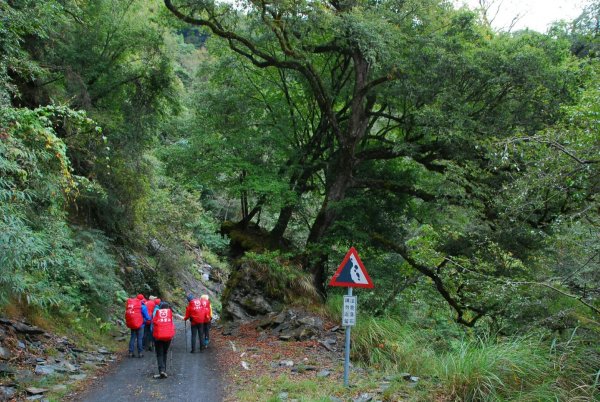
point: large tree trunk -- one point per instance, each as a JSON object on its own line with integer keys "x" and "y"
{"x": 338, "y": 181}
{"x": 285, "y": 215}
{"x": 340, "y": 171}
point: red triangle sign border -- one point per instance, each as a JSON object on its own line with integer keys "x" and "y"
{"x": 334, "y": 279}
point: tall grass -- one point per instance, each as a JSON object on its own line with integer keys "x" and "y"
{"x": 471, "y": 368}
{"x": 388, "y": 344}
{"x": 479, "y": 370}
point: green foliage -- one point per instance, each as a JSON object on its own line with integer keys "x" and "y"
{"x": 45, "y": 261}
{"x": 22, "y": 19}
{"x": 475, "y": 369}
{"x": 281, "y": 277}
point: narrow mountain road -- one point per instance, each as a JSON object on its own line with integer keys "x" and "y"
{"x": 191, "y": 377}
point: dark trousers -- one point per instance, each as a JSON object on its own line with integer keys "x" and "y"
{"x": 136, "y": 334}
{"x": 204, "y": 333}
{"x": 148, "y": 339}
{"x": 196, "y": 333}
{"x": 162, "y": 348}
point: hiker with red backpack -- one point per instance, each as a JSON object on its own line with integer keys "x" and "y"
{"x": 198, "y": 314}
{"x": 163, "y": 331}
{"x": 205, "y": 303}
{"x": 148, "y": 340}
{"x": 136, "y": 314}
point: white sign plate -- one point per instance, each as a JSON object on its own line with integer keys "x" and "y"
{"x": 349, "y": 311}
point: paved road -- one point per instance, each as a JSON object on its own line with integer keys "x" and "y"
{"x": 192, "y": 377}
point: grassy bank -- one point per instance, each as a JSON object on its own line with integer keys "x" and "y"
{"x": 397, "y": 359}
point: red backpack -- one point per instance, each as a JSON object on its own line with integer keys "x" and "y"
{"x": 205, "y": 305}
{"x": 133, "y": 313}
{"x": 196, "y": 313}
{"x": 164, "y": 329}
{"x": 150, "y": 306}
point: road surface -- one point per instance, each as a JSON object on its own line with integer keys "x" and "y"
{"x": 191, "y": 377}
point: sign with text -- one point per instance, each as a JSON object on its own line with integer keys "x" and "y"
{"x": 349, "y": 311}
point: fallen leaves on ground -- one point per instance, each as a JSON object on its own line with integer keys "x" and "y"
{"x": 262, "y": 354}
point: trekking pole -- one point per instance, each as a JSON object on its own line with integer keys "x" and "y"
{"x": 185, "y": 334}
{"x": 172, "y": 368}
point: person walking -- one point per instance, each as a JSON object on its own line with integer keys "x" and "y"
{"x": 163, "y": 331}
{"x": 148, "y": 340}
{"x": 207, "y": 314}
{"x": 194, "y": 313}
{"x": 136, "y": 314}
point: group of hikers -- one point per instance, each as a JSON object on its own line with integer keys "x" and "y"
{"x": 152, "y": 326}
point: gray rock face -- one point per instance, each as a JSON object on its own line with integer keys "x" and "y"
{"x": 45, "y": 369}
{"x": 246, "y": 296}
{"x": 35, "y": 390}
{"x": 6, "y": 370}
{"x": 7, "y": 393}
{"x": 235, "y": 311}
{"x": 291, "y": 325}
{"x": 256, "y": 304}
{"x": 27, "y": 329}
{"x": 5, "y": 354}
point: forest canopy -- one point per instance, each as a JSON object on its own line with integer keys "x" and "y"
{"x": 462, "y": 162}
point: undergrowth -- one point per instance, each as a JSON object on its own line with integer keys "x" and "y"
{"x": 281, "y": 277}
{"x": 475, "y": 368}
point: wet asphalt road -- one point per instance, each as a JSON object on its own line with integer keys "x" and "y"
{"x": 192, "y": 377}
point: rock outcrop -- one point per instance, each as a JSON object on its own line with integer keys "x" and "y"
{"x": 244, "y": 297}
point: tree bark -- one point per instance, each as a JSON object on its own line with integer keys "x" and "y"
{"x": 340, "y": 170}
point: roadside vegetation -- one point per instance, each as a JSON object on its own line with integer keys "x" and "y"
{"x": 142, "y": 141}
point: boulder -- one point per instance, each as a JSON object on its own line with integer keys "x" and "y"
{"x": 35, "y": 390}
{"x": 7, "y": 393}
{"x": 246, "y": 295}
{"x": 255, "y": 304}
{"x": 5, "y": 353}
{"x": 45, "y": 369}
{"x": 293, "y": 325}
{"x": 27, "y": 329}
{"x": 6, "y": 370}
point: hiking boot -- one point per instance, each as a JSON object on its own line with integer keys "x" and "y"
{"x": 193, "y": 351}
{"x": 163, "y": 374}
{"x": 141, "y": 355}
{"x": 130, "y": 354}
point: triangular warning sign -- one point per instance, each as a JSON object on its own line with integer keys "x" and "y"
{"x": 351, "y": 272}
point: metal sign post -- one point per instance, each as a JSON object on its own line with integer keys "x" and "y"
{"x": 352, "y": 274}
{"x": 348, "y": 320}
